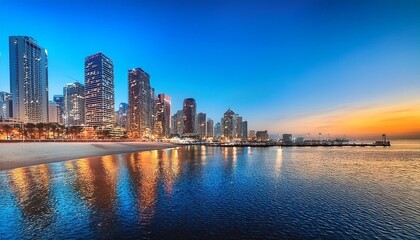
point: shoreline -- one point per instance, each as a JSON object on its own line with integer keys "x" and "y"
{"x": 25, "y": 154}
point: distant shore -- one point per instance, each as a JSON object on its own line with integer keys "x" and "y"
{"x": 14, "y": 155}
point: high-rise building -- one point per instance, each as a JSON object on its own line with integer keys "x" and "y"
{"x": 74, "y": 104}
{"x": 244, "y": 130}
{"x": 140, "y": 103}
{"x": 238, "y": 126}
{"x": 189, "y": 111}
{"x": 177, "y": 123}
{"x": 121, "y": 115}
{"x": 5, "y": 105}
{"x": 201, "y": 123}
{"x": 163, "y": 115}
{"x": 53, "y": 112}
{"x": 210, "y": 128}
{"x": 252, "y": 134}
{"x": 218, "y": 130}
{"x": 99, "y": 91}
{"x": 28, "y": 79}
{"x": 262, "y": 135}
{"x": 59, "y": 99}
{"x": 229, "y": 124}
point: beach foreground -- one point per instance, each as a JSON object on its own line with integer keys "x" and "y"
{"x": 15, "y": 155}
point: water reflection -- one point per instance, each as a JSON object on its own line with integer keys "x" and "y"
{"x": 279, "y": 161}
{"x": 31, "y": 188}
{"x": 212, "y": 192}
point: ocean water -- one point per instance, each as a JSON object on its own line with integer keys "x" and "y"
{"x": 198, "y": 192}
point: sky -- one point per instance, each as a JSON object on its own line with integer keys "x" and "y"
{"x": 339, "y": 68}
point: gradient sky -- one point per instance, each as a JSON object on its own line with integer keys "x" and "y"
{"x": 344, "y": 68}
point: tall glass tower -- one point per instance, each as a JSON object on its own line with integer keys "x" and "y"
{"x": 140, "y": 103}
{"x": 189, "y": 110}
{"x": 28, "y": 79}
{"x": 74, "y": 104}
{"x": 99, "y": 91}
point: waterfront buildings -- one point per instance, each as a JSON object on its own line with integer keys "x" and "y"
{"x": 177, "y": 125}
{"x": 245, "y": 130}
{"x": 74, "y": 104}
{"x": 28, "y": 79}
{"x": 59, "y": 99}
{"x": 99, "y": 91}
{"x": 238, "y": 128}
{"x": 163, "y": 115}
{"x": 229, "y": 124}
{"x": 189, "y": 111}
{"x": 210, "y": 128}
{"x": 287, "y": 139}
{"x": 53, "y": 112}
{"x": 5, "y": 105}
{"x": 218, "y": 130}
{"x": 262, "y": 135}
{"x": 201, "y": 125}
{"x": 121, "y": 115}
{"x": 140, "y": 102}
{"x": 252, "y": 134}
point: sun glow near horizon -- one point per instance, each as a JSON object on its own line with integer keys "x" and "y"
{"x": 397, "y": 120}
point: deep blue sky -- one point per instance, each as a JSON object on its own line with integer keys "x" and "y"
{"x": 272, "y": 62}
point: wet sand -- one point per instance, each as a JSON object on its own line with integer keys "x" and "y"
{"x": 13, "y": 155}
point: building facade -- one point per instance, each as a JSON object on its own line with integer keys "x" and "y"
{"x": 238, "y": 126}
{"x": 229, "y": 124}
{"x": 53, "y": 112}
{"x": 189, "y": 111}
{"x": 287, "y": 139}
{"x": 140, "y": 102}
{"x": 5, "y": 105}
{"x": 28, "y": 79}
{"x": 210, "y": 128}
{"x": 59, "y": 99}
{"x": 201, "y": 125}
{"x": 218, "y": 130}
{"x": 163, "y": 115}
{"x": 99, "y": 91}
{"x": 245, "y": 130}
{"x": 121, "y": 115}
{"x": 74, "y": 104}
{"x": 262, "y": 135}
{"x": 177, "y": 126}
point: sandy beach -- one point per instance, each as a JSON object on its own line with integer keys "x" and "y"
{"x": 13, "y": 155}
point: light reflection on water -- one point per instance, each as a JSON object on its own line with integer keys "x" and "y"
{"x": 206, "y": 192}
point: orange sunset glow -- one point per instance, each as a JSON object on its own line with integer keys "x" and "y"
{"x": 398, "y": 120}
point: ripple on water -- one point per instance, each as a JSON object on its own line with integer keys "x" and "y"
{"x": 199, "y": 192}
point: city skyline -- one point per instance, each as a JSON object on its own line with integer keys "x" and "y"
{"x": 286, "y": 67}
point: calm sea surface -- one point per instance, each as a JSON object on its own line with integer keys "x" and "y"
{"x": 210, "y": 192}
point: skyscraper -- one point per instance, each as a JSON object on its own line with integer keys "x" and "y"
{"x": 121, "y": 115}
{"x": 201, "y": 123}
{"x": 140, "y": 102}
{"x": 28, "y": 79}
{"x": 218, "y": 130}
{"x": 245, "y": 130}
{"x": 53, "y": 112}
{"x": 163, "y": 115}
{"x": 59, "y": 99}
{"x": 229, "y": 124}
{"x": 210, "y": 128}
{"x": 5, "y": 105}
{"x": 177, "y": 123}
{"x": 189, "y": 111}
{"x": 74, "y": 104}
{"x": 99, "y": 91}
{"x": 238, "y": 126}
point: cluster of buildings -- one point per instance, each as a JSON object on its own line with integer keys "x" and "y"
{"x": 92, "y": 105}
